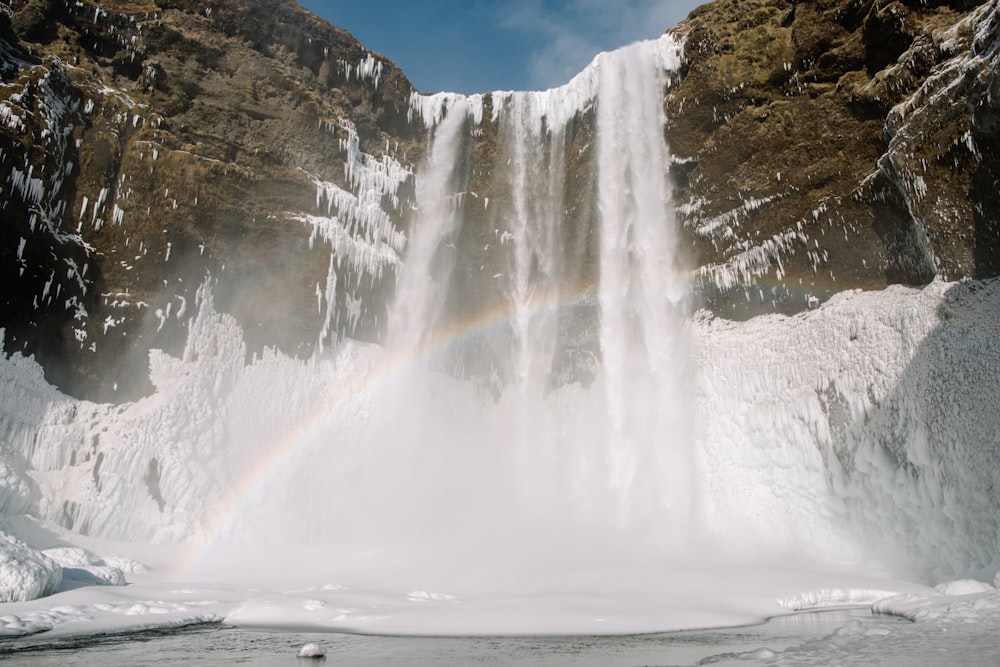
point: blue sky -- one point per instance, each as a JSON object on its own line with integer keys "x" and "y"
{"x": 474, "y": 46}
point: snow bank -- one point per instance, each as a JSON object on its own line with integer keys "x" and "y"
{"x": 834, "y": 597}
{"x": 126, "y": 612}
{"x": 84, "y": 568}
{"x": 25, "y": 574}
{"x": 956, "y": 628}
{"x": 963, "y": 604}
{"x": 964, "y": 587}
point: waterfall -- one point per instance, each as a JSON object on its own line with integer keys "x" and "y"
{"x": 604, "y": 457}
{"x": 544, "y": 403}
{"x": 430, "y": 257}
{"x": 643, "y": 291}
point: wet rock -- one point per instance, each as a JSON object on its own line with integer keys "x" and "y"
{"x": 153, "y": 146}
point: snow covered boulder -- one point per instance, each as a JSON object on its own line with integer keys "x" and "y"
{"x": 963, "y": 587}
{"x": 71, "y": 556}
{"x": 94, "y": 575}
{"x": 126, "y": 565}
{"x": 312, "y": 651}
{"x": 84, "y": 568}
{"x": 25, "y": 574}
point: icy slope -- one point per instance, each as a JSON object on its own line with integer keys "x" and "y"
{"x": 871, "y": 418}
{"x": 864, "y": 428}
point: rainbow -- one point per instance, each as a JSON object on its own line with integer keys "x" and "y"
{"x": 284, "y": 453}
{"x": 457, "y": 334}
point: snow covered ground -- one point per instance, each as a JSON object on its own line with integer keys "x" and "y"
{"x": 957, "y": 623}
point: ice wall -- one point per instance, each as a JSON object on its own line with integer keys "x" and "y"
{"x": 863, "y": 429}
{"x": 865, "y": 424}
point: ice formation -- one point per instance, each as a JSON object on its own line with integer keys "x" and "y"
{"x": 859, "y": 437}
{"x": 25, "y": 574}
{"x": 356, "y": 223}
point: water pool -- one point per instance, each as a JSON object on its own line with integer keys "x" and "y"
{"x": 211, "y": 645}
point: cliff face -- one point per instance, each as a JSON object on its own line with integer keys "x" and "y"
{"x": 832, "y": 145}
{"x": 819, "y": 146}
{"x": 147, "y": 145}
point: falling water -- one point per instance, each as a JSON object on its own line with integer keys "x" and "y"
{"x": 642, "y": 294}
{"x": 423, "y": 280}
{"x": 604, "y": 458}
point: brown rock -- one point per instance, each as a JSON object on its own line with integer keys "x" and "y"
{"x": 192, "y": 135}
{"x": 803, "y": 177}
{"x": 148, "y": 146}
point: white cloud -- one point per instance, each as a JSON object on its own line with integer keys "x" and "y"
{"x": 568, "y": 34}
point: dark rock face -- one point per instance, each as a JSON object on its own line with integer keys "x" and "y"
{"x": 831, "y": 145}
{"x": 149, "y": 145}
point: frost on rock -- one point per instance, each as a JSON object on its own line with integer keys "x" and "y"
{"x": 41, "y": 105}
{"x": 914, "y": 127}
{"x": 744, "y": 267}
{"x": 155, "y": 470}
{"x": 723, "y": 224}
{"x": 126, "y": 565}
{"x": 94, "y": 575}
{"x": 964, "y": 587}
{"x": 432, "y": 108}
{"x": 25, "y": 574}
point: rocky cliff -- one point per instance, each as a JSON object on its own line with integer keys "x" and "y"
{"x": 145, "y": 146}
{"x": 830, "y": 145}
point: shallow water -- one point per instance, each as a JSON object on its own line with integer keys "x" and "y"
{"x": 217, "y": 645}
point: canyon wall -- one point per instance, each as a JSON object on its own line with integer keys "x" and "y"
{"x": 148, "y": 146}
